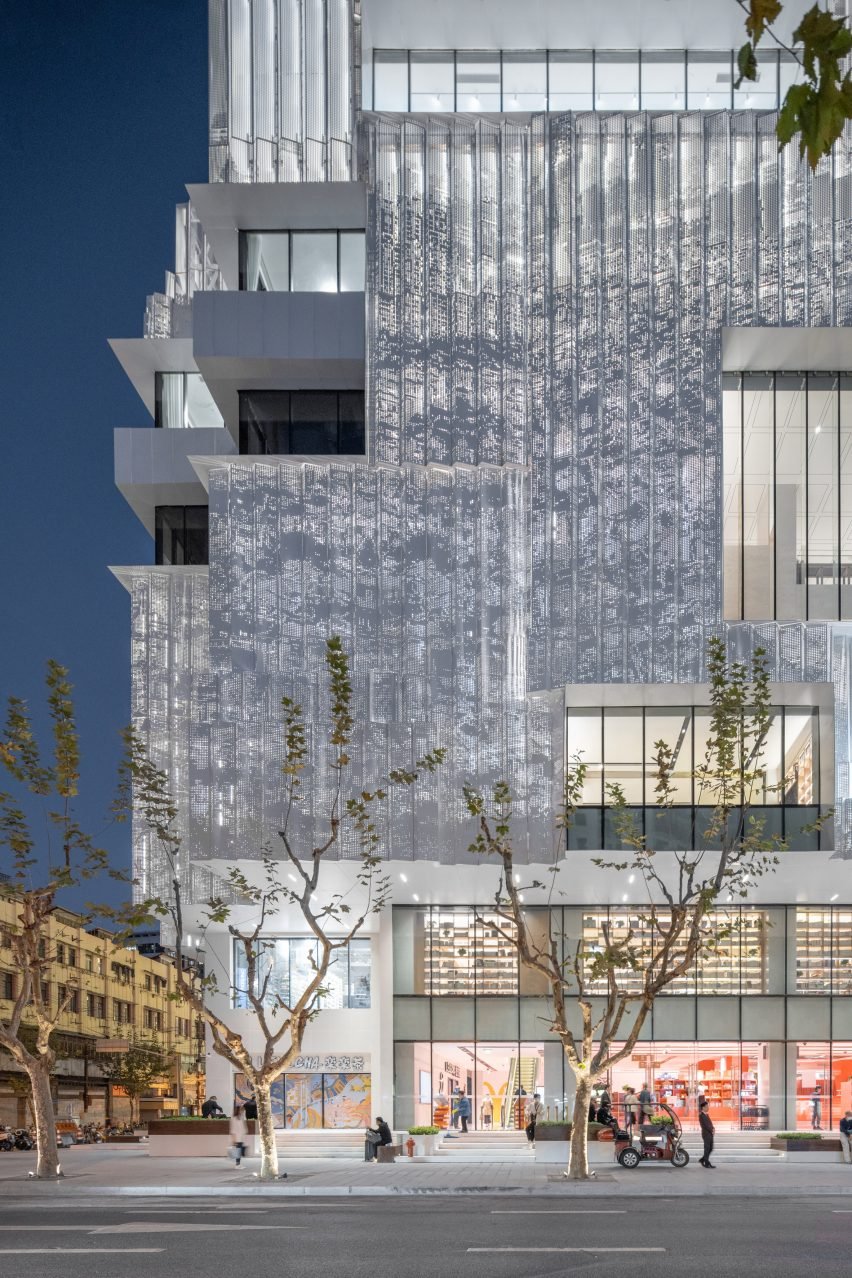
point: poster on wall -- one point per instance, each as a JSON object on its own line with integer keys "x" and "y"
{"x": 303, "y": 1100}
{"x": 347, "y": 1100}
{"x": 306, "y": 1100}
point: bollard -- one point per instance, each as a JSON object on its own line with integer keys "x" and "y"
{"x": 409, "y": 1145}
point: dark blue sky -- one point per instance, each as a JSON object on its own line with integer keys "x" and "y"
{"x": 104, "y": 121}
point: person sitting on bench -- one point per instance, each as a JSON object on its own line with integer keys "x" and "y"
{"x": 378, "y": 1135}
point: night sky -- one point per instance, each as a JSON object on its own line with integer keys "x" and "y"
{"x": 104, "y": 121}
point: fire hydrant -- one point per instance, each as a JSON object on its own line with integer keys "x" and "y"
{"x": 409, "y": 1145}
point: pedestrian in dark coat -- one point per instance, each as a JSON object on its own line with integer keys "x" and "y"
{"x": 379, "y": 1135}
{"x": 707, "y": 1130}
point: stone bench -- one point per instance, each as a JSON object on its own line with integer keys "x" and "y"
{"x": 388, "y": 1153}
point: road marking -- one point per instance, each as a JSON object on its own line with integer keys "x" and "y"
{"x": 534, "y": 1211}
{"x": 79, "y": 1251}
{"x": 190, "y": 1211}
{"x": 590, "y": 1250}
{"x": 139, "y": 1227}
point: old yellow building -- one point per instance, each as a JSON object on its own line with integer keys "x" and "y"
{"x": 118, "y": 994}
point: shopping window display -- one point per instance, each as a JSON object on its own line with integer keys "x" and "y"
{"x": 823, "y": 1085}
{"x": 313, "y": 1100}
{"x": 734, "y": 1078}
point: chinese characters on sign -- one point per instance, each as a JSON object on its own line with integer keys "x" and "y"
{"x": 343, "y": 1063}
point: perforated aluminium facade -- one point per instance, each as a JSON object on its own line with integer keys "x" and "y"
{"x": 540, "y": 502}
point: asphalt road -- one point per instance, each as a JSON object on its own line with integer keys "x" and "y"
{"x": 468, "y": 1236}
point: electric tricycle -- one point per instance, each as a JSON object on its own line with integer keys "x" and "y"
{"x": 658, "y": 1141}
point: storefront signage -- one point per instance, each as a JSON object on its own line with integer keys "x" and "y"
{"x": 451, "y": 1069}
{"x": 346, "y": 1063}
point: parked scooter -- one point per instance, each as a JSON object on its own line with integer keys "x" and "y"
{"x": 23, "y": 1139}
{"x": 7, "y": 1139}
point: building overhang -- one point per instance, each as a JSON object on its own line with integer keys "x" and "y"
{"x": 143, "y": 357}
{"x": 785, "y": 349}
{"x": 226, "y": 208}
{"x": 277, "y": 341}
{"x": 153, "y": 467}
{"x": 128, "y": 574}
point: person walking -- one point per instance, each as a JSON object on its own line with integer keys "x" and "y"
{"x": 631, "y": 1108}
{"x": 239, "y": 1133}
{"x": 212, "y": 1109}
{"x": 816, "y": 1110}
{"x": 250, "y": 1110}
{"x": 535, "y": 1113}
{"x": 464, "y": 1111}
{"x": 707, "y": 1131}
{"x": 646, "y": 1103}
{"x": 846, "y": 1136}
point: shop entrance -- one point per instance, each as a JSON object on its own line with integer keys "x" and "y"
{"x": 498, "y": 1079}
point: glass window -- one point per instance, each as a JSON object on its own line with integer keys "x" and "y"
{"x": 758, "y": 503}
{"x": 845, "y": 411}
{"x": 314, "y": 261}
{"x": 352, "y": 262}
{"x": 789, "y": 73}
{"x": 790, "y": 496}
{"x": 312, "y": 422}
{"x": 813, "y": 1099}
{"x": 623, "y": 754}
{"x": 617, "y": 81}
{"x": 673, "y": 726}
{"x": 709, "y": 78}
{"x": 841, "y": 950}
{"x": 801, "y": 764}
{"x": 524, "y": 82}
{"x": 571, "y": 81}
{"x": 760, "y": 94}
{"x": 663, "y": 81}
{"x": 450, "y": 969}
{"x": 584, "y": 743}
{"x": 390, "y": 80}
{"x": 359, "y": 972}
{"x": 201, "y": 408}
{"x": 495, "y": 957}
{"x": 265, "y": 261}
{"x": 432, "y": 86}
{"x": 823, "y": 491}
{"x": 183, "y": 402}
{"x": 180, "y": 535}
{"x": 477, "y": 82}
{"x": 732, "y": 494}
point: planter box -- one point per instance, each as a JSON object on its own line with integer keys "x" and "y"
{"x": 124, "y": 1140}
{"x": 558, "y": 1132}
{"x": 192, "y": 1138}
{"x": 601, "y": 1153}
{"x": 823, "y": 1151}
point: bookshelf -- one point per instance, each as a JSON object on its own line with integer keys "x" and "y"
{"x": 466, "y": 957}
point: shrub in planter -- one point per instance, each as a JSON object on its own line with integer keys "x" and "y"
{"x": 423, "y": 1131}
{"x": 799, "y": 1136}
{"x": 549, "y": 1129}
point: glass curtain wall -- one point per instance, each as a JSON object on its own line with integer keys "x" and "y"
{"x": 180, "y": 535}
{"x": 788, "y": 496}
{"x": 618, "y": 746}
{"x": 289, "y": 963}
{"x": 823, "y": 1085}
{"x": 428, "y": 81}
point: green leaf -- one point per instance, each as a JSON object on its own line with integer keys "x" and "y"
{"x": 760, "y": 14}
{"x": 746, "y": 64}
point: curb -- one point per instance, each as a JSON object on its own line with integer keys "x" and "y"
{"x": 34, "y": 1190}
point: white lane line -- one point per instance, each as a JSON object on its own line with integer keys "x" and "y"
{"x": 177, "y": 1227}
{"x": 191, "y": 1211}
{"x": 139, "y": 1227}
{"x": 593, "y": 1251}
{"x": 535, "y": 1211}
{"x": 79, "y": 1251}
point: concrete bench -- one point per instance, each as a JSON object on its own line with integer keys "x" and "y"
{"x": 388, "y": 1153}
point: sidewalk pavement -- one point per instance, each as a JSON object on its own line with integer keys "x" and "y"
{"x": 98, "y": 1170}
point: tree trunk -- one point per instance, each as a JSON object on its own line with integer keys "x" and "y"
{"x": 266, "y": 1132}
{"x": 47, "y": 1167}
{"x": 578, "y": 1164}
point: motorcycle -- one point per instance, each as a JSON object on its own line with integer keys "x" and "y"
{"x": 7, "y": 1139}
{"x": 23, "y": 1139}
